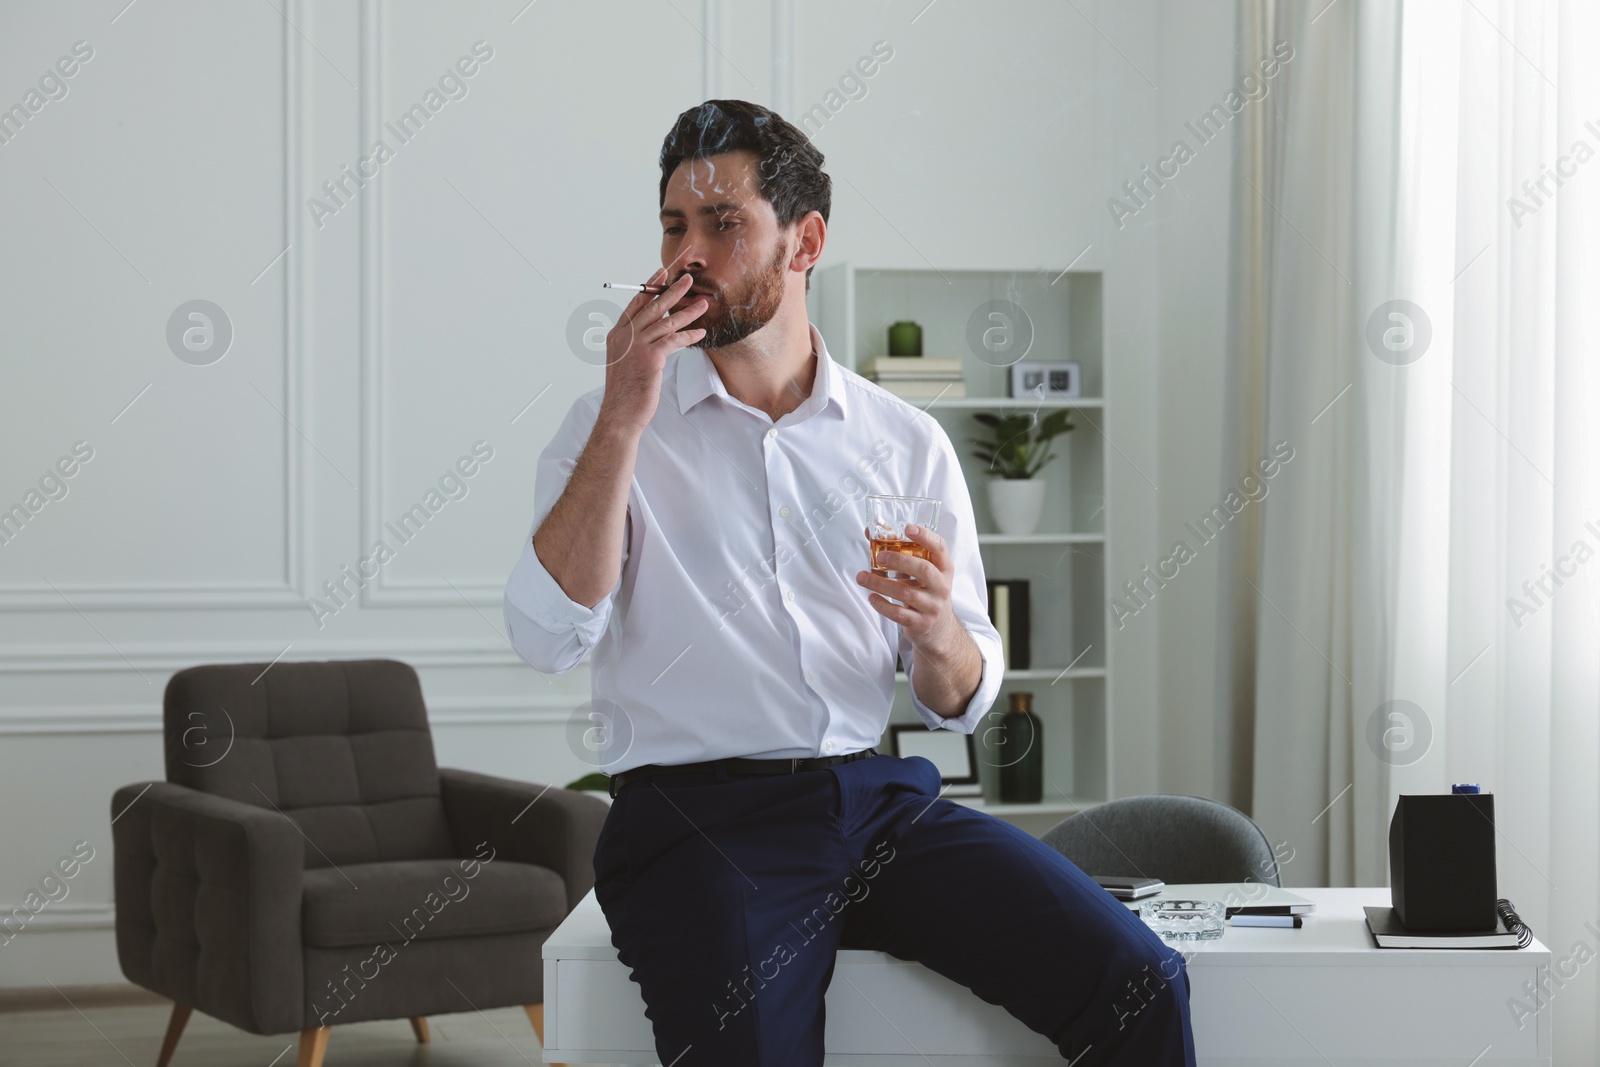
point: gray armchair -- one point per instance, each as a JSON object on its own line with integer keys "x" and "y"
{"x": 307, "y": 864}
{"x": 1172, "y": 837}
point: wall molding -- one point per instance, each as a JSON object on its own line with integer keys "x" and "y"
{"x": 443, "y": 713}
{"x": 155, "y": 596}
{"x": 291, "y": 591}
{"x": 157, "y": 656}
{"x": 380, "y": 590}
{"x": 62, "y": 917}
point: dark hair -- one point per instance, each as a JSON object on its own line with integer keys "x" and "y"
{"x": 789, "y": 172}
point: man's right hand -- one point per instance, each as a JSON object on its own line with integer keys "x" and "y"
{"x": 638, "y": 346}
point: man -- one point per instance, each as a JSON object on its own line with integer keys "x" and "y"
{"x": 698, "y": 528}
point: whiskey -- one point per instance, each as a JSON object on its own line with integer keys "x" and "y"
{"x": 910, "y": 548}
{"x": 887, "y": 518}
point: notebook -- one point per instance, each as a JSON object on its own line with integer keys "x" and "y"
{"x": 1509, "y": 932}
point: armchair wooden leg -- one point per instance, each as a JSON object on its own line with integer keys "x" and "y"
{"x": 175, "y": 1025}
{"x": 419, "y": 1026}
{"x": 536, "y": 1017}
{"x": 313, "y": 1046}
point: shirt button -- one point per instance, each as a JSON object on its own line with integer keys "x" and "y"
{"x": 783, "y": 513}
{"x": 812, "y": 675}
{"x": 790, "y": 594}
{"x": 772, "y": 432}
{"x": 827, "y": 746}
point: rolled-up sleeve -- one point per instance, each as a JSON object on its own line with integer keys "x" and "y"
{"x": 969, "y": 595}
{"x": 549, "y": 630}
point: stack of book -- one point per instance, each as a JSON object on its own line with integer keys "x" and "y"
{"x": 917, "y": 377}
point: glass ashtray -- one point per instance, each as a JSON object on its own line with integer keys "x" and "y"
{"x": 1184, "y": 920}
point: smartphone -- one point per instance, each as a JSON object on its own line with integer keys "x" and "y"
{"x": 1129, "y": 888}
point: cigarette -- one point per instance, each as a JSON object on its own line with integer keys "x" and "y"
{"x": 635, "y": 288}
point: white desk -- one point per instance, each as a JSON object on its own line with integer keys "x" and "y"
{"x": 1322, "y": 994}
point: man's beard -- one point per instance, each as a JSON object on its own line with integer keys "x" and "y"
{"x": 730, "y": 319}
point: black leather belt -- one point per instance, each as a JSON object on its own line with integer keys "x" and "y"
{"x": 737, "y": 766}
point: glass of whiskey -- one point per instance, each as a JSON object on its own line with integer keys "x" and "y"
{"x": 887, "y": 517}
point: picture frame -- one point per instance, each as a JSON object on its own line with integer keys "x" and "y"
{"x": 952, "y": 753}
{"x": 1059, "y": 380}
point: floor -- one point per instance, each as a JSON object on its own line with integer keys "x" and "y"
{"x": 118, "y": 1027}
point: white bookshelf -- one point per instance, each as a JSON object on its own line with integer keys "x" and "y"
{"x": 1065, "y": 560}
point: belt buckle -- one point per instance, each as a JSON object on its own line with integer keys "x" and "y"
{"x": 794, "y": 764}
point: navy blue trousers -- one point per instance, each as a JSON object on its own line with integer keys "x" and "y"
{"x": 727, "y": 900}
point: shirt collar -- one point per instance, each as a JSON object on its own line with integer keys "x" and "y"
{"x": 697, "y": 378}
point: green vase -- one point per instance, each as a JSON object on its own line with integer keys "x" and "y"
{"x": 1021, "y": 753}
{"x": 905, "y": 339}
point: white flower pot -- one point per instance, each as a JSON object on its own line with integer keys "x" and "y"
{"x": 1016, "y": 504}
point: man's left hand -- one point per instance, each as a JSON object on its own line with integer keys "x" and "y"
{"x": 924, "y": 612}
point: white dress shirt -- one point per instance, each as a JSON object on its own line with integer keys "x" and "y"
{"x": 737, "y": 627}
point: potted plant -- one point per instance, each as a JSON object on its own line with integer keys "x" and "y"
{"x": 1017, "y": 447}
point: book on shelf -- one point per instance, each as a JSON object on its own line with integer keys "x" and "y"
{"x": 919, "y": 364}
{"x": 1008, "y": 610}
{"x": 924, "y": 390}
{"x": 913, "y": 376}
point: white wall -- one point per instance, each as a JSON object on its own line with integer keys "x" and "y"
{"x": 428, "y": 313}
{"x": 1198, "y": 61}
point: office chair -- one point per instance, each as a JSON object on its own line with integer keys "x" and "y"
{"x": 1168, "y": 836}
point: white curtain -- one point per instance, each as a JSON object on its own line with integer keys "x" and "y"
{"x": 1437, "y": 540}
{"x": 1305, "y": 624}
{"x": 1498, "y": 94}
